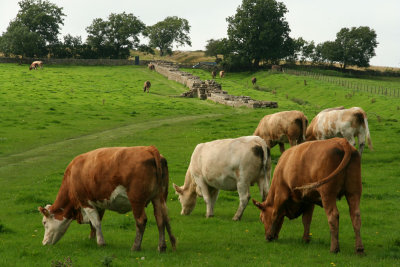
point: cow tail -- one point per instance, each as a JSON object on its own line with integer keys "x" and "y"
{"x": 157, "y": 158}
{"x": 368, "y": 134}
{"x": 342, "y": 165}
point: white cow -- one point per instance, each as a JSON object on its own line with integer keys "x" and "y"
{"x": 227, "y": 164}
{"x": 341, "y": 122}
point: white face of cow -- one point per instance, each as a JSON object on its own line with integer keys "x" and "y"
{"x": 54, "y": 229}
{"x": 187, "y": 199}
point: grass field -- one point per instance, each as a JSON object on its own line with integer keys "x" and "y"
{"x": 50, "y": 116}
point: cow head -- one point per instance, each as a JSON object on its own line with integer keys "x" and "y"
{"x": 266, "y": 219}
{"x": 55, "y": 225}
{"x": 187, "y": 197}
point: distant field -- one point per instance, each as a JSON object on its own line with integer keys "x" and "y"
{"x": 50, "y": 116}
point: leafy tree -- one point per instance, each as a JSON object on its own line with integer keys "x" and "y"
{"x": 165, "y": 33}
{"x": 215, "y": 48}
{"x": 115, "y": 36}
{"x": 258, "y": 31}
{"x": 329, "y": 51}
{"x": 355, "y": 46}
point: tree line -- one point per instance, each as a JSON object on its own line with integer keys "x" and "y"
{"x": 257, "y": 34}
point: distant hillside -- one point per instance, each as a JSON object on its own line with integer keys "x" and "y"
{"x": 177, "y": 56}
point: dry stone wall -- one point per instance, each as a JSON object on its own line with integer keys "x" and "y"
{"x": 208, "y": 89}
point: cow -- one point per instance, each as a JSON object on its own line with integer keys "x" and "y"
{"x": 283, "y": 127}
{"x": 276, "y": 68}
{"x": 227, "y": 164}
{"x": 341, "y": 122}
{"x": 147, "y": 86}
{"x": 36, "y": 64}
{"x": 316, "y": 172}
{"x": 213, "y": 74}
{"x": 151, "y": 66}
{"x": 121, "y": 179}
{"x": 222, "y": 74}
{"x": 253, "y": 80}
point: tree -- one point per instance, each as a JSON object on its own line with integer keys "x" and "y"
{"x": 36, "y": 25}
{"x": 217, "y": 47}
{"x": 165, "y": 33}
{"x": 115, "y": 36}
{"x": 258, "y": 31}
{"x": 356, "y": 46}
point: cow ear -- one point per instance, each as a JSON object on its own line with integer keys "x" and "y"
{"x": 258, "y": 204}
{"x": 178, "y": 189}
{"x": 44, "y": 211}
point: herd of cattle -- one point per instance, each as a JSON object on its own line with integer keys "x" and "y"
{"x": 311, "y": 172}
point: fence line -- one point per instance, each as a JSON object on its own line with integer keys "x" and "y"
{"x": 359, "y": 87}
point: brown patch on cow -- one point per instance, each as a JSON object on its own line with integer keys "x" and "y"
{"x": 258, "y": 152}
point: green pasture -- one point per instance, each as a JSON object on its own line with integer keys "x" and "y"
{"x": 49, "y": 116}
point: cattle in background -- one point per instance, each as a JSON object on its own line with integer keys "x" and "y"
{"x": 222, "y": 74}
{"x": 253, "y": 80}
{"x": 151, "y": 66}
{"x": 317, "y": 172}
{"x": 276, "y": 68}
{"x": 341, "y": 122}
{"x": 227, "y": 164}
{"x": 121, "y": 179}
{"x": 147, "y": 86}
{"x": 283, "y": 127}
{"x": 36, "y": 64}
{"x": 213, "y": 74}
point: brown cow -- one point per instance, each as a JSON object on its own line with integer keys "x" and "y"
{"x": 317, "y": 172}
{"x": 222, "y": 74}
{"x": 253, "y": 80}
{"x": 36, "y": 64}
{"x": 213, "y": 74}
{"x": 121, "y": 179}
{"x": 276, "y": 68}
{"x": 283, "y": 127}
{"x": 341, "y": 122}
{"x": 147, "y": 86}
{"x": 151, "y": 66}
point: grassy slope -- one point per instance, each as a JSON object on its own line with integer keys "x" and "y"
{"x": 35, "y": 150}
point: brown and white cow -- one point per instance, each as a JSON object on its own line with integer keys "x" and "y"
{"x": 213, "y": 74}
{"x": 121, "y": 179}
{"x": 283, "y": 127}
{"x": 36, "y": 64}
{"x": 227, "y": 164}
{"x": 341, "y": 122}
{"x": 146, "y": 87}
{"x": 151, "y": 66}
{"x": 222, "y": 74}
{"x": 254, "y": 80}
{"x": 317, "y": 172}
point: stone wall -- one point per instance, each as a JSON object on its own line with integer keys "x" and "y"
{"x": 208, "y": 89}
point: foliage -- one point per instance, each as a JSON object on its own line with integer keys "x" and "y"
{"x": 215, "y": 48}
{"x": 164, "y": 34}
{"x": 259, "y": 32}
{"x": 114, "y": 37}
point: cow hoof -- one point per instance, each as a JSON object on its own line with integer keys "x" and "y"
{"x": 101, "y": 244}
{"x": 360, "y": 251}
{"x": 135, "y": 248}
{"x": 162, "y": 249}
{"x": 236, "y": 218}
{"x": 306, "y": 240}
{"x": 336, "y": 250}
{"x": 210, "y": 216}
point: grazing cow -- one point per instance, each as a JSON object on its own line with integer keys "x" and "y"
{"x": 147, "y": 86}
{"x": 276, "y": 68}
{"x": 222, "y": 74}
{"x": 317, "y": 172}
{"x": 36, "y": 64}
{"x": 121, "y": 179}
{"x": 227, "y": 164}
{"x": 151, "y": 66}
{"x": 213, "y": 74}
{"x": 283, "y": 127}
{"x": 253, "y": 80}
{"x": 341, "y": 122}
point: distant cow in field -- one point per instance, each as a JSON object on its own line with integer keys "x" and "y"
{"x": 253, "y": 80}
{"x": 121, "y": 179}
{"x": 317, "y": 172}
{"x": 276, "y": 68}
{"x": 283, "y": 127}
{"x": 213, "y": 74}
{"x": 36, "y": 64}
{"x": 222, "y": 74}
{"x": 147, "y": 86}
{"x": 341, "y": 122}
{"x": 151, "y": 66}
{"x": 227, "y": 164}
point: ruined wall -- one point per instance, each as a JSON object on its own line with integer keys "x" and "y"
{"x": 208, "y": 89}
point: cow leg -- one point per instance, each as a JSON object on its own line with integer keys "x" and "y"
{"x": 92, "y": 229}
{"x": 333, "y": 219}
{"x": 353, "y": 201}
{"x": 95, "y": 222}
{"x": 205, "y": 191}
{"x": 307, "y": 216}
{"x": 282, "y": 147}
{"x": 244, "y": 196}
{"x": 141, "y": 220}
{"x": 263, "y": 185}
{"x": 162, "y": 246}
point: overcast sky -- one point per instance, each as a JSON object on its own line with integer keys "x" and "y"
{"x": 317, "y": 20}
